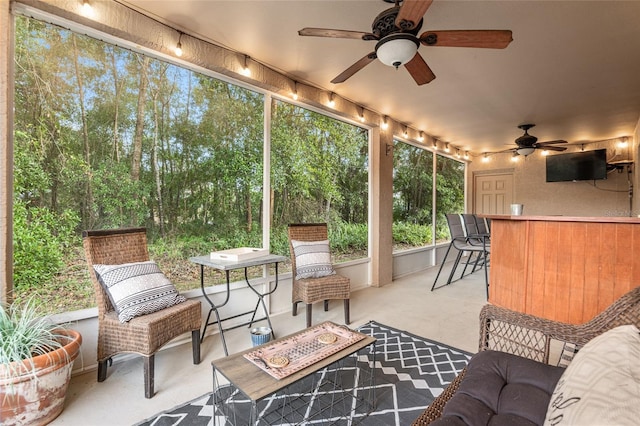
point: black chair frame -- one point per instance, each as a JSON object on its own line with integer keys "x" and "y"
{"x": 470, "y": 244}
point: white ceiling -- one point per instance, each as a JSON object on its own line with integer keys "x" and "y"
{"x": 573, "y": 67}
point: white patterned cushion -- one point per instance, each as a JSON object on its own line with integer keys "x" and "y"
{"x": 137, "y": 288}
{"x": 569, "y": 351}
{"x": 601, "y": 386}
{"x": 313, "y": 259}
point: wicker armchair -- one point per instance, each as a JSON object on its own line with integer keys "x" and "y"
{"x": 530, "y": 337}
{"x": 311, "y": 290}
{"x": 143, "y": 335}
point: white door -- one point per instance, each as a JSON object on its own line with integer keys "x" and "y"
{"x": 493, "y": 194}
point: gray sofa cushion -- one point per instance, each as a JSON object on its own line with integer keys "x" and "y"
{"x": 501, "y": 389}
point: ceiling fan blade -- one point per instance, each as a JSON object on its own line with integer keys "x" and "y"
{"x": 331, "y": 33}
{"x": 490, "y": 39}
{"x": 419, "y": 70}
{"x": 554, "y": 148}
{"x": 551, "y": 142}
{"x": 344, "y": 75}
{"x": 411, "y": 12}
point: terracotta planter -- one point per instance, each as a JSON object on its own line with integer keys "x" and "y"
{"x": 26, "y": 400}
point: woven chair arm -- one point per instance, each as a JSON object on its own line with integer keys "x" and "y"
{"x": 434, "y": 411}
{"x": 527, "y": 335}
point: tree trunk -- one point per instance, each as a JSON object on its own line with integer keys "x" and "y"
{"x": 249, "y": 213}
{"x": 136, "y": 157}
{"x": 116, "y": 107}
{"x": 156, "y": 162}
{"x": 88, "y": 201}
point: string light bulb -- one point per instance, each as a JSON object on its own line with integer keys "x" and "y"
{"x": 87, "y": 9}
{"x": 405, "y": 131}
{"x": 420, "y": 137}
{"x": 332, "y": 102}
{"x": 514, "y": 157}
{"x": 384, "y": 124}
{"x": 485, "y": 158}
{"x": 246, "y": 71}
{"x": 294, "y": 95}
{"x": 545, "y": 152}
{"x": 446, "y": 147}
{"x": 623, "y": 143}
{"x": 178, "y": 49}
{"x": 466, "y": 155}
{"x": 435, "y": 145}
{"x": 361, "y": 115}
{"x": 457, "y": 153}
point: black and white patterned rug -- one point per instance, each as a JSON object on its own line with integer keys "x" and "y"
{"x": 409, "y": 372}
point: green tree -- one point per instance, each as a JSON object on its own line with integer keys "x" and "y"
{"x": 449, "y": 192}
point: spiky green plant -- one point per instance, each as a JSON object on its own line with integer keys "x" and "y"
{"x": 24, "y": 334}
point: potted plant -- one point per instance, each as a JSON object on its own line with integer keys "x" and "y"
{"x": 36, "y": 357}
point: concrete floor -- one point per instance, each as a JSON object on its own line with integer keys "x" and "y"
{"x": 448, "y": 315}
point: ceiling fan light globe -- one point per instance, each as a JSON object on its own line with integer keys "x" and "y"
{"x": 525, "y": 151}
{"x": 397, "y": 49}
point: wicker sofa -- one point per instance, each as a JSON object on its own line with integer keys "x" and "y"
{"x": 535, "y": 339}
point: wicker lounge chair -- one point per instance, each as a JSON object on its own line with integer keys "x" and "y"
{"x": 311, "y": 290}
{"x": 530, "y": 337}
{"x": 143, "y": 335}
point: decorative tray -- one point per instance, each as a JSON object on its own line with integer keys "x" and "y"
{"x": 238, "y": 254}
{"x": 283, "y": 358}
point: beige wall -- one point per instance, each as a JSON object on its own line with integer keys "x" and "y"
{"x": 608, "y": 197}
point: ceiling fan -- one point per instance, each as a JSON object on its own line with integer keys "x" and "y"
{"x": 527, "y": 144}
{"x": 396, "y": 31}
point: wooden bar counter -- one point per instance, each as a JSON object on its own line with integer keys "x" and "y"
{"x": 562, "y": 268}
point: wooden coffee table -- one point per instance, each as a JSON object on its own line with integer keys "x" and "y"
{"x": 347, "y": 383}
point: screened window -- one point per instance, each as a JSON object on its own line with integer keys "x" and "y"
{"x": 412, "y": 196}
{"x": 319, "y": 173}
{"x": 106, "y": 138}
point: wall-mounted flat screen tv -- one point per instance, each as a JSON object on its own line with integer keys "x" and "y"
{"x": 585, "y": 165}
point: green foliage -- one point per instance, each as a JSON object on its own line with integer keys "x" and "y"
{"x": 40, "y": 235}
{"x": 279, "y": 241}
{"x": 348, "y": 237}
{"x": 412, "y": 184}
{"x": 178, "y": 247}
{"x": 413, "y": 194}
{"x": 412, "y": 234}
{"x": 25, "y": 333}
{"x": 319, "y": 168}
{"x": 118, "y": 198}
{"x": 40, "y": 238}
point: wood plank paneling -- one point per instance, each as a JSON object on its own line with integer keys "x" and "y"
{"x": 592, "y": 256}
{"x": 635, "y": 266}
{"x": 607, "y": 266}
{"x": 537, "y": 265}
{"x": 552, "y": 250}
{"x": 563, "y": 276}
{"x": 506, "y": 286}
{"x": 562, "y": 268}
{"x": 624, "y": 260}
{"x": 577, "y": 277}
